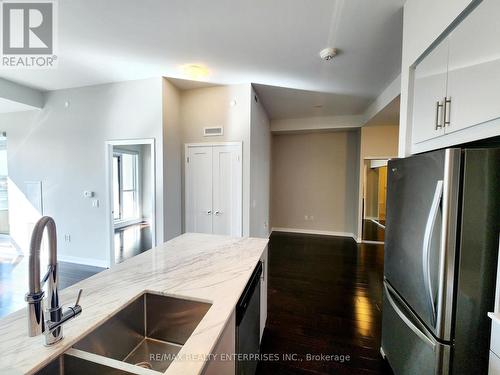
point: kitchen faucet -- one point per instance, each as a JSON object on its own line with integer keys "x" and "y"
{"x": 51, "y": 328}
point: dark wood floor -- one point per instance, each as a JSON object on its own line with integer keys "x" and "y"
{"x": 324, "y": 298}
{"x": 372, "y": 231}
{"x": 14, "y": 280}
{"x": 131, "y": 241}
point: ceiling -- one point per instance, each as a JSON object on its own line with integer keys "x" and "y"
{"x": 282, "y": 102}
{"x": 387, "y": 116}
{"x": 271, "y": 43}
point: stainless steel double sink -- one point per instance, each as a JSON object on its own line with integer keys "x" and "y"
{"x": 141, "y": 338}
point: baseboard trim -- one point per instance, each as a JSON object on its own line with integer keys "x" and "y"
{"x": 373, "y": 242}
{"x": 314, "y": 231}
{"x": 85, "y": 261}
{"x": 375, "y": 221}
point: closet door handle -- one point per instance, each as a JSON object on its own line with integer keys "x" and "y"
{"x": 217, "y": 213}
{"x": 209, "y": 212}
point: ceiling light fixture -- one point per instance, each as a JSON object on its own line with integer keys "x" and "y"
{"x": 194, "y": 71}
{"x": 328, "y": 54}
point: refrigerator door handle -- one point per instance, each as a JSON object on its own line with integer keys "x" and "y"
{"x": 421, "y": 335}
{"x": 429, "y": 229}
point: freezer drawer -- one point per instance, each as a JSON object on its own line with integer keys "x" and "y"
{"x": 407, "y": 344}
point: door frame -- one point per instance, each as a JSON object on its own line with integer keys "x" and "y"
{"x": 362, "y": 182}
{"x": 109, "y": 145}
{"x": 238, "y": 144}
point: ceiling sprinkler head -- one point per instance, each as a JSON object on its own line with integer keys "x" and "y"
{"x": 328, "y": 54}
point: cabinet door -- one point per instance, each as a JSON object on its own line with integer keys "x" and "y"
{"x": 198, "y": 196}
{"x": 227, "y": 193}
{"x": 474, "y": 68}
{"x": 429, "y": 93}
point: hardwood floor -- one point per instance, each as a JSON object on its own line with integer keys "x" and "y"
{"x": 131, "y": 241}
{"x": 324, "y": 298}
{"x": 372, "y": 231}
{"x": 14, "y": 280}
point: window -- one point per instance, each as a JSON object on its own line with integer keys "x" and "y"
{"x": 125, "y": 185}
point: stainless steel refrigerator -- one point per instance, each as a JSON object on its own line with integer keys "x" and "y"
{"x": 441, "y": 250}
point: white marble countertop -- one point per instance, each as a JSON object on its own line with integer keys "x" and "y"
{"x": 193, "y": 266}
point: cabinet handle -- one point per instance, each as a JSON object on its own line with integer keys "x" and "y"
{"x": 447, "y": 108}
{"x": 439, "y": 106}
{"x": 209, "y": 212}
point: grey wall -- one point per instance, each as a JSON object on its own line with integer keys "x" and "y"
{"x": 172, "y": 161}
{"x": 260, "y": 169}
{"x": 315, "y": 174}
{"x": 65, "y": 149}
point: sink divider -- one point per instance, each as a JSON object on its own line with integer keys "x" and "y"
{"x": 105, "y": 361}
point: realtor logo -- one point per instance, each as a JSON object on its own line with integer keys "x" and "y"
{"x": 28, "y": 34}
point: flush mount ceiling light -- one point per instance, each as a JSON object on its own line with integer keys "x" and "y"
{"x": 194, "y": 71}
{"x": 328, "y": 54}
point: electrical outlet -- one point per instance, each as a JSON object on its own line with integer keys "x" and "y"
{"x": 95, "y": 203}
{"x": 306, "y": 218}
{"x": 311, "y": 217}
{"x": 67, "y": 238}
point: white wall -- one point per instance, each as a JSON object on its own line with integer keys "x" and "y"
{"x": 21, "y": 94}
{"x": 172, "y": 161}
{"x": 260, "y": 169}
{"x": 146, "y": 188}
{"x": 65, "y": 149}
{"x": 423, "y": 23}
{"x": 227, "y": 106}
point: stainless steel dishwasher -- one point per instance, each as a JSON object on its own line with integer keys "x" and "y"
{"x": 248, "y": 325}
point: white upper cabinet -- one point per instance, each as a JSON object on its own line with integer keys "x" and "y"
{"x": 429, "y": 93}
{"x": 456, "y": 92}
{"x": 474, "y": 68}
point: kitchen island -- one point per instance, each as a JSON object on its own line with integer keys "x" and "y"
{"x": 198, "y": 267}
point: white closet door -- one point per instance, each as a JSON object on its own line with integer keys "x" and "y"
{"x": 199, "y": 190}
{"x": 227, "y": 190}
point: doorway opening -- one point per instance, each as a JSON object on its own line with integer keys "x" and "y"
{"x": 374, "y": 200}
{"x": 9, "y": 251}
{"x": 131, "y": 192}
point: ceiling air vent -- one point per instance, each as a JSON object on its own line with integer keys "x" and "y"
{"x": 214, "y": 131}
